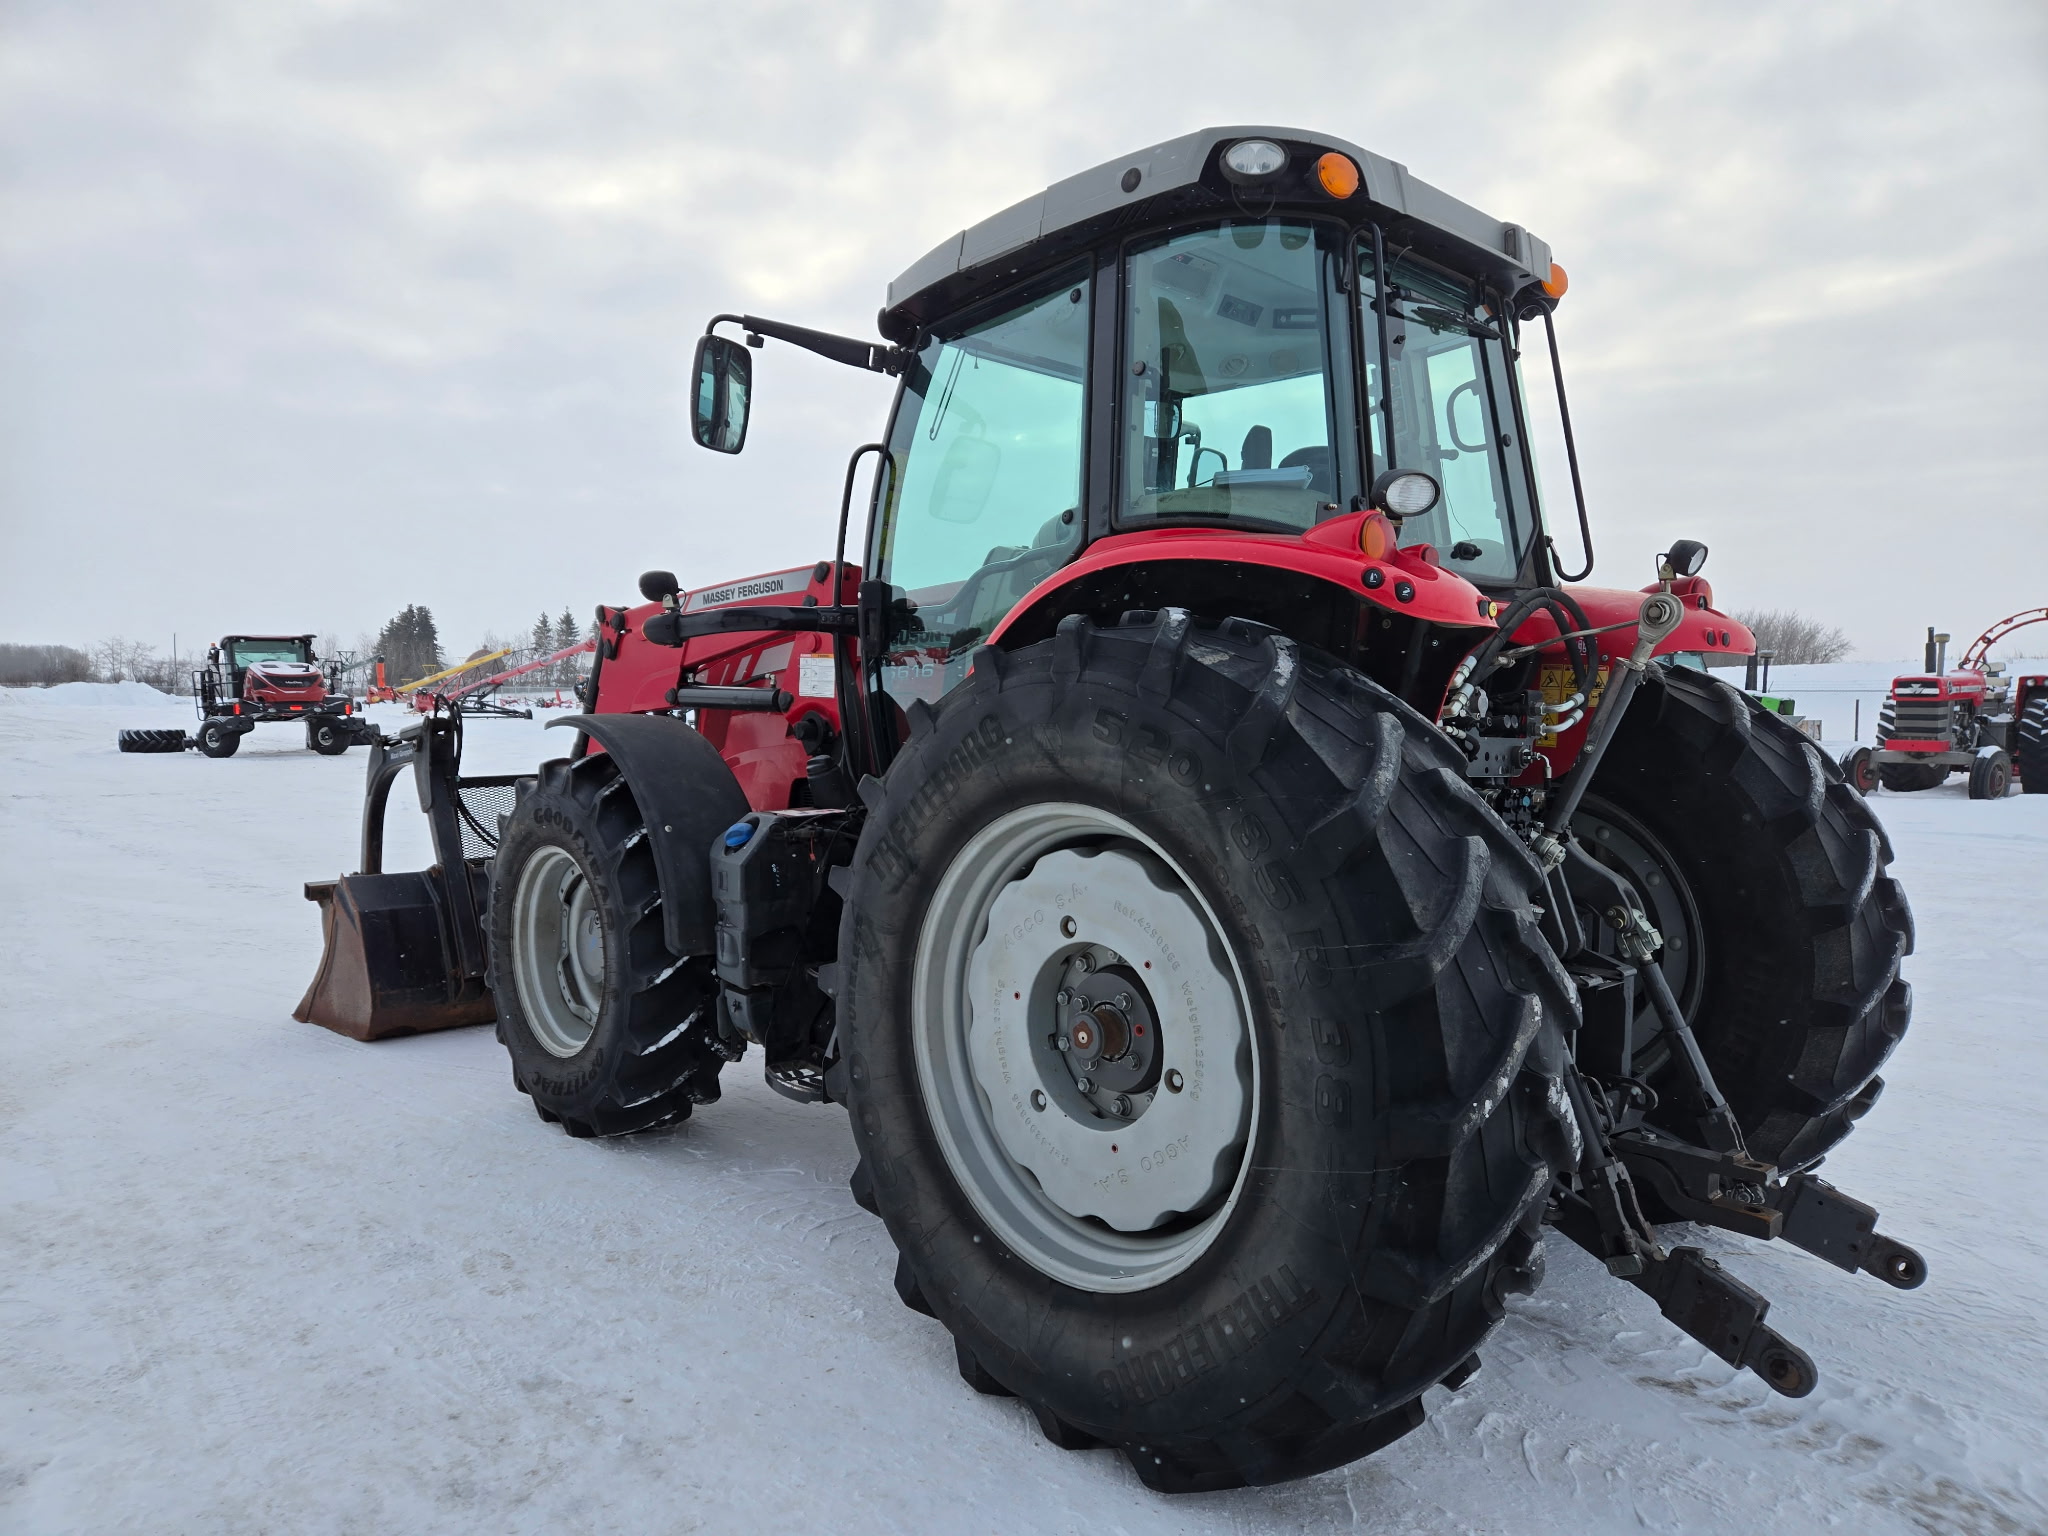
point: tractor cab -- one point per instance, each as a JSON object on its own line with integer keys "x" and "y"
{"x": 1251, "y": 370}
{"x": 269, "y": 668}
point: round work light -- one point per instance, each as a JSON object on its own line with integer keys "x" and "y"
{"x": 1250, "y": 160}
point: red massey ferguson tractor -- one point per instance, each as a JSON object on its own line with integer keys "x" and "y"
{"x": 1971, "y": 719}
{"x": 250, "y": 680}
{"x": 1240, "y": 895}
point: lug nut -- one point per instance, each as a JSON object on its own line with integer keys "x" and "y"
{"x": 1069, "y": 927}
{"x": 1038, "y": 1099}
{"x": 1174, "y": 1081}
{"x": 1065, "y": 997}
{"x": 1123, "y": 1001}
{"x": 1121, "y": 1106}
{"x": 1065, "y": 1044}
{"x": 1087, "y": 1085}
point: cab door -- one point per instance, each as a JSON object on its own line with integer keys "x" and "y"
{"x": 984, "y": 498}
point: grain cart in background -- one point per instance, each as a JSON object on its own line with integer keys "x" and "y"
{"x": 252, "y": 680}
{"x": 1238, "y": 892}
{"x": 1971, "y": 719}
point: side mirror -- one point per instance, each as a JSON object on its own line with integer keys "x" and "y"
{"x": 659, "y": 586}
{"x": 718, "y": 406}
{"x": 1684, "y": 558}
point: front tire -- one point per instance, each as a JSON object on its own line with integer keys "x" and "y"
{"x": 1990, "y": 774}
{"x": 608, "y": 1030}
{"x": 328, "y": 737}
{"x": 218, "y": 739}
{"x": 1330, "y": 1170}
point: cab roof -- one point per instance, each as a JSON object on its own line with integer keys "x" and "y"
{"x": 1180, "y": 177}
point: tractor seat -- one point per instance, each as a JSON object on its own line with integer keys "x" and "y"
{"x": 1322, "y": 476}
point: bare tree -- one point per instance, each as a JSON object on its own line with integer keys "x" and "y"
{"x": 41, "y": 666}
{"x": 1794, "y": 639}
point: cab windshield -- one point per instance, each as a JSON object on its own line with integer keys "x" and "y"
{"x": 243, "y": 652}
{"x": 1244, "y": 357}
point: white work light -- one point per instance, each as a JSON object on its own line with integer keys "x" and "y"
{"x": 1406, "y": 492}
{"x": 1253, "y": 160}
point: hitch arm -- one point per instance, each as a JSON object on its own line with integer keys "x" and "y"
{"x": 1708, "y": 1304}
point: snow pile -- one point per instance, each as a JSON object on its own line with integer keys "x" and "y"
{"x": 90, "y": 695}
{"x": 256, "y": 1277}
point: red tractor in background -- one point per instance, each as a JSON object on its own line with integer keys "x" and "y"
{"x": 1239, "y": 891}
{"x": 251, "y": 680}
{"x": 1971, "y": 719}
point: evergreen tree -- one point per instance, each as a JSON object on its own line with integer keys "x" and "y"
{"x": 566, "y": 634}
{"x": 411, "y": 645}
{"x": 543, "y": 640}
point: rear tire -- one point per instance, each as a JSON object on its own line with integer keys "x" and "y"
{"x": 1990, "y": 774}
{"x": 1910, "y": 778}
{"x": 608, "y": 1030}
{"x": 152, "y": 741}
{"x": 1773, "y": 869}
{"x": 218, "y": 739}
{"x": 1345, "y": 962}
{"x": 2030, "y": 747}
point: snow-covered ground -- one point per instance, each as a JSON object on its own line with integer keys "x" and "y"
{"x": 256, "y": 1277}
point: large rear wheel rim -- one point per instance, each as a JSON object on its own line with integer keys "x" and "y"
{"x": 1102, "y": 1200}
{"x": 557, "y": 952}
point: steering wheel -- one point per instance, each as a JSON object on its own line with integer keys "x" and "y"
{"x": 961, "y": 604}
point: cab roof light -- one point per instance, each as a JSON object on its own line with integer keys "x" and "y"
{"x": 1337, "y": 175}
{"x": 1555, "y": 284}
{"x": 1253, "y": 160}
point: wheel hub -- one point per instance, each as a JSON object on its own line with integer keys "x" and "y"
{"x": 557, "y": 951}
{"x": 1120, "y": 1109}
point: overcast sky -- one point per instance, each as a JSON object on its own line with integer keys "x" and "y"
{"x": 309, "y": 311}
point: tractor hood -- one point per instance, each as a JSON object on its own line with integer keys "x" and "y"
{"x": 284, "y": 674}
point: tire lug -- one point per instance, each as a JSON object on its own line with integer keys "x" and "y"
{"x": 1121, "y": 1106}
{"x": 1038, "y": 1100}
{"x": 1174, "y": 1081}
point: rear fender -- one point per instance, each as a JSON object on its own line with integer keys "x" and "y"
{"x": 1312, "y": 589}
{"x": 687, "y": 795}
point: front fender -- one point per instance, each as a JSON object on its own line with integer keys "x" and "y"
{"x": 687, "y": 796}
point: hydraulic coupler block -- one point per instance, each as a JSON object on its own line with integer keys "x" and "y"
{"x": 777, "y": 920}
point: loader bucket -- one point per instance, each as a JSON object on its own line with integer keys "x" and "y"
{"x": 404, "y": 953}
{"x": 389, "y": 966}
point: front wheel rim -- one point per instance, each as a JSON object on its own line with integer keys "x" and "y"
{"x": 1102, "y": 1195}
{"x": 557, "y": 952}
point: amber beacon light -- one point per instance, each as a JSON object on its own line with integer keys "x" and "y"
{"x": 1337, "y": 174}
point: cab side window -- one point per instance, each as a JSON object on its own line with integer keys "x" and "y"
{"x": 985, "y": 504}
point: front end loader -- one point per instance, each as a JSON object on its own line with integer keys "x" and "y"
{"x": 1242, "y": 888}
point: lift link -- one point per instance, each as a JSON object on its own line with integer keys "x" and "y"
{"x": 1618, "y": 1235}
{"x": 1738, "y": 1194}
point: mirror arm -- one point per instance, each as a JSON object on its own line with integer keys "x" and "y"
{"x": 875, "y": 356}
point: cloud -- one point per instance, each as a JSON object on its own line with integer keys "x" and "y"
{"x": 313, "y": 310}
